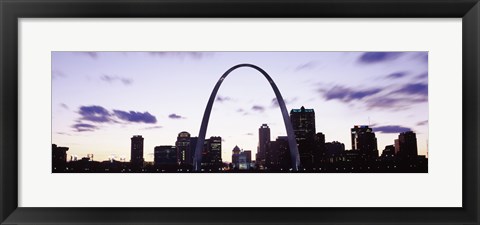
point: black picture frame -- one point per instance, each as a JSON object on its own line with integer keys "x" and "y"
{"x": 12, "y": 10}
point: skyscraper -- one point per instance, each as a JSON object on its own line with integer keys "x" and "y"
{"x": 319, "y": 150}
{"x": 235, "y": 154}
{"x": 183, "y": 148}
{"x": 136, "y": 153}
{"x": 408, "y": 144}
{"x": 165, "y": 155}
{"x": 244, "y": 160}
{"x": 263, "y": 144}
{"x": 59, "y": 158}
{"x": 303, "y": 122}
{"x": 193, "y": 145}
{"x": 364, "y": 140}
{"x": 281, "y": 150}
{"x": 212, "y": 153}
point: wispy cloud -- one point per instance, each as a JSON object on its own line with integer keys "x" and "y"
{"x": 258, "y": 108}
{"x": 182, "y": 55}
{"x": 98, "y": 114}
{"x": 114, "y": 78}
{"x": 175, "y": 116}
{"x": 396, "y": 75}
{"x": 422, "y": 76}
{"x": 137, "y": 117}
{"x": 58, "y": 74}
{"x": 307, "y": 66}
{"x": 287, "y": 101}
{"x": 65, "y": 106}
{"x": 346, "y": 94}
{"x": 93, "y": 55}
{"x": 94, "y": 113}
{"x": 152, "y": 128}
{"x": 223, "y": 99}
{"x": 413, "y": 89}
{"x": 377, "y": 57}
{"x": 422, "y": 123}
{"x": 82, "y": 127}
{"x": 390, "y": 129}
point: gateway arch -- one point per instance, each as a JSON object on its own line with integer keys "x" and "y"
{"x": 286, "y": 119}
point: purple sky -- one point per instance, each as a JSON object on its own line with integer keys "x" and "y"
{"x": 101, "y": 99}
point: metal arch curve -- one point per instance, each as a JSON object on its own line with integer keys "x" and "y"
{"x": 286, "y": 119}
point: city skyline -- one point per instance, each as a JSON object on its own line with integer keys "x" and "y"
{"x": 391, "y": 97}
{"x": 313, "y": 154}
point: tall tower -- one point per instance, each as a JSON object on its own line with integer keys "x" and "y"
{"x": 263, "y": 144}
{"x": 235, "y": 155}
{"x": 136, "y": 153}
{"x": 364, "y": 140}
{"x": 303, "y": 122}
{"x": 408, "y": 144}
{"x": 183, "y": 148}
{"x": 59, "y": 158}
{"x": 212, "y": 154}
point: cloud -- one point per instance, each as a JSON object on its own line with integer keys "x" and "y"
{"x": 93, "y": 55}
{"x": 152, "y": 128}
{"x": 391, "y": 129}
{"x": 175, "y": 116}
{"x": 95, "y": 113}
{"x": 421, "y": 123}
{"x": 396, "y": 75}
{"x": 64, "y": 133}
{"x": 81, "y": 127}
{"x": 137, "y": 117}
{"x": 258, "y": 108}
{"x": 413, "y": 89}
{"x": 58, "y": 74}
{"x": 111, "y": 79}
{"x": 223, "y": 99}
{"x": 182, "y": 55}
{"x": 306, "y": 66}
{"x": 422, "y": 76}
{"x": 394, "y": 102}
{"x": 423, "y": 56}
{"x": 275, "y": 102}
{"x": 240, "y": 110}
{"x": 394, "y": 97}
{"x": 63, "y": 105}
{"x": 345, "y": 94}
{"x": 376, "y": 57}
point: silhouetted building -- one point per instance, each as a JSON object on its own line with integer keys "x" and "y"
{"x": 183, "y": 148}
{"x": 212, "y": 153}
{"x": 282, "y": 158}
{"x": 364, "y": 140}
{"x": 319, "y": 150}
{"x": 334, "y": 148}
{"x": 136, "y": 153}
{"x": 59, "y": 158}
{"x": 408, "y": 144}
{"x": 397, "y": 146}
{"x": 303, "y": 122}
{"x": 245, "y": 160}
{"x": 193, "y": 145}
{"x": 389, "y": 151}
{"x": 165, "y": 155}
{"x": 235, "y": 154}
{"x": 263, "y": 145}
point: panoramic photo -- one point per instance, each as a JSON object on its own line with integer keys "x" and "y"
{"x": 239, "y": 112}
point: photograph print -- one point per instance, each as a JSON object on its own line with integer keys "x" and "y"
{"x": 239, "y": 112}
